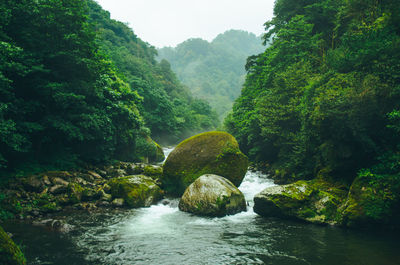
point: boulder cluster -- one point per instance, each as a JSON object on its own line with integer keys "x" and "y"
{"x": 206, "y": 169}
{"x": 119, "y": 185}
{"x": 317, "y": 201}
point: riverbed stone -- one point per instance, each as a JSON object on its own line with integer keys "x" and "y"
{"x": 33, "y": 183}
{"x": 10, "y": 253}
{"x": 118, "y": 202}
{"x": 373, "y": 203}
{"x": 312, "y": 201}
{"x": 155, "y": 172}
{"x": 57, "y": 174}
{"x": 206, "y": 153}
{"x": 59, "y": 181}
{"x": 212, "y": 195}
{"x": 136, "y": 190}
{"x": 58, "y": 189}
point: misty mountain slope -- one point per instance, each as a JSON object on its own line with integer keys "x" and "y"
{"x": 214, "y": 71}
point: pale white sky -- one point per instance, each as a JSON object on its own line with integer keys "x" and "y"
{"x": 170, "y": 22}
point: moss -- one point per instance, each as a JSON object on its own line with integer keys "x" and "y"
{"x": 206, "y": 153}
{"x": 50, "y": 207}
{"x": 154, "y": 172}
{"x": 137, "y": 191}
{"x": 10, "y": 253}
{"x": 75, "y": 192}
{"x": 314, "y": 201}
{"x": 212, "y": 195}
{"x": 372, "y": 200}
{"x": 159, "y": 153}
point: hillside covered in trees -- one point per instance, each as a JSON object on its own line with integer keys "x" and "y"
{"x": 323, "y": 100}
{"x": 214, "y": 70}
{"x": 77, "y": 86}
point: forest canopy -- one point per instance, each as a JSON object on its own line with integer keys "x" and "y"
{"x": 323, "y": 99}
{"x": 77, "y": 86}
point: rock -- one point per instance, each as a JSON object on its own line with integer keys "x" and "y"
{"x": 159, "y": 155}
{"x": 312, "y": 201}
{"x": 63, "y": 199}
{"x": 59, "y": 181}
{"x": 94, "y": 174}
{"x": 102, "y": 173}
{"x": 46, "y": 180}
{"x": 9, "y": 251}
{"x": 117, "y": 173}
{"x": 58, "y": 189}
{"x": 57, "y": 174}
{"x": 89, "y": 206}
{"x": 155, "y": 172}
{"x": 89, "y": 194}
{"x": 55, "y": 225}
{"x": 107, "y": 188}
{"x": 75, "y": 191}
{"x": 105, "y": 204}
{"x": 212, "y": 195}
{"x": 33, "y": 183}
{"x": 50, "y": 208}
{"x": 148, "y": 150}
{"x": 373, "y": 202}
{"x": 87, "y": 177}
{"x": 206, "y": 153}
{"x": 136, "y": 190}
{"x": 118, "y": 202}
{"x": 80, "y": 181}
{"x": 105, "y": 197}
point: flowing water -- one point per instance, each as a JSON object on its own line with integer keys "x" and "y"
{"x": 161, "y": 234}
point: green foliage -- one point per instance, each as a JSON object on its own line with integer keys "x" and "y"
{"x": 214, "y": 71}
{"x": 61, "y": 100}
{"x": 323, "y": 99}
{"x": 10, "y": 253}
{"x": 77, "y": 86}
{"x": 168, "y": 108}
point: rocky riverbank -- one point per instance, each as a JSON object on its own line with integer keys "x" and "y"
{"x": 119, "y": 185}
{"x": 366, "y": 204}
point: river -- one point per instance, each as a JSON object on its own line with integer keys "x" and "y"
{"x": 161, "y": 234}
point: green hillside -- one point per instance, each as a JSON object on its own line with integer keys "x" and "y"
{"x": 214, "y": 71}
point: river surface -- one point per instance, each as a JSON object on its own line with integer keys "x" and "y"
{"x": 161, "y": 234}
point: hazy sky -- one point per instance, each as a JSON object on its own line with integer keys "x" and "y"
{"x": 170, "y": 22}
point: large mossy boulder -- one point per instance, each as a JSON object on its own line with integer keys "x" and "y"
{"x": 373, "y": 201}
{"x": 212, "y": 195}
{"x": 137, "y": 190}
{"x": 206, "y": 153}
{"x": 312, "y": 201}
{"x": 10, "y": 253}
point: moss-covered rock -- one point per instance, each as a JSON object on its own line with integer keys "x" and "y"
{"x": 137, "y": 190}
{"x": 312, "y": 201}
{"x": 148, "y": 150}
{"x": 373, "y": 200}
{"x": 155, "y": 172}
{"x": 10, "y": 254}
{"x": 212, "y": 195}
{"x": 75, "y": 191}
{"x": 33, "y": 183}
{"x": 206, "y": 153}
{"x": 159, "y": 155}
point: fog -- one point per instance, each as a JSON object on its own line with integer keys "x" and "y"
{"x": 170, "y": 22}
